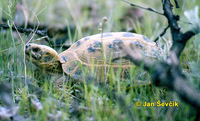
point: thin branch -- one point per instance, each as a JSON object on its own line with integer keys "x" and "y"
{"x": 177, "y": 5}
{"x": 38, "y": 24}
{"x": 161, "y": 34}
{"x": 149, "y": 9}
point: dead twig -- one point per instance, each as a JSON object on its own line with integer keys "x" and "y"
{"x": 45, "y": 31}
{"x": 168, "y": 73}
{"x": 161, "y": 34}
{"x": 179, "y": 39}
{"x": 27, "y": 31}
{"x": 149, "y": 9}
{"x": 177, "y": 5}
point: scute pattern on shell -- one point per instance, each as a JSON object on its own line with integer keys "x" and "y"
{"x": 88, "y": 51}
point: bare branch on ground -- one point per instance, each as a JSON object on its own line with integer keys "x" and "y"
{"x": 168, "y": 72}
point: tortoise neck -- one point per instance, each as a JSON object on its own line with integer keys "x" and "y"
{"x": 55, "y": 66}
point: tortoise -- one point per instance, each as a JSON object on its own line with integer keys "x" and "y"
{"x": 87, "y": 53}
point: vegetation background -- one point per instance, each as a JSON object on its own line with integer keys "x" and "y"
{"x": 39, "y": 98}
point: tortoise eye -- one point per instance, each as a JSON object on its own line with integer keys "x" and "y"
{"x": 36, "y": 50}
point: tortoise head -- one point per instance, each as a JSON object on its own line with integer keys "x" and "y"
{"x": 43, "y": 56}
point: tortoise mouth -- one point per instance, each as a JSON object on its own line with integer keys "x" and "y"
{"x": 30, "y": 55}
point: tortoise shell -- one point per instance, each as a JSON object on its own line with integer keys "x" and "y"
{"x": 87, "y": 52}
